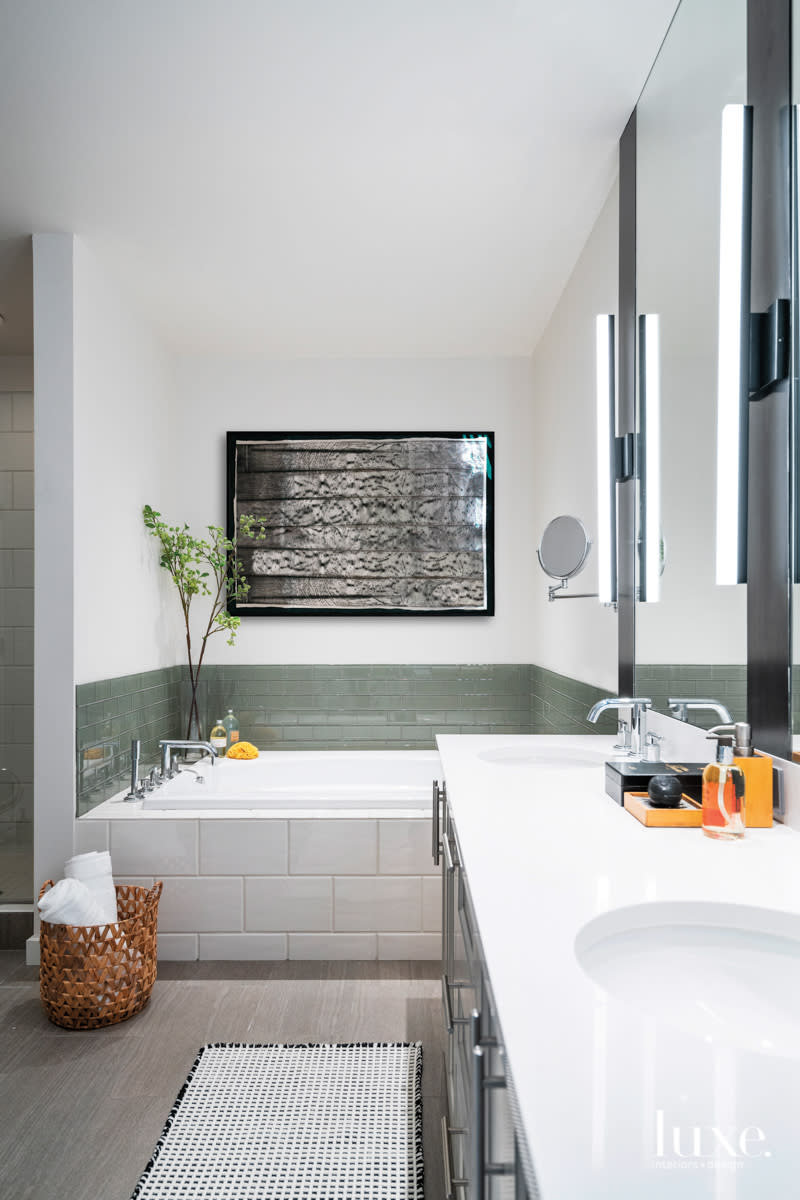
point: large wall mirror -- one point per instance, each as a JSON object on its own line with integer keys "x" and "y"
{"x": 691, "y": 634}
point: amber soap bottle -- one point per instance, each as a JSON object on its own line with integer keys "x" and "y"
{"x": 723, "y": 794}
{"x": 757, "y": 769}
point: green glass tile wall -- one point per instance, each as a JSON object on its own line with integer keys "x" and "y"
{"x": 559, "y": 704}
{"x": 369, "y": 707}
{"x": 321, "y": 708}
{"x": 726, "y": 683}
{"x": 109, "y": 715}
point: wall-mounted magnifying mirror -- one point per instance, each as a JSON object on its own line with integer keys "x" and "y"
{"x": 562, "y": 554}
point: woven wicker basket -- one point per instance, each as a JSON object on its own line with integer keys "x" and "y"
{"x": 93, "y": 975}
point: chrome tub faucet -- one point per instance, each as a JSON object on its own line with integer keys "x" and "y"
{"x": 169, "y": 744}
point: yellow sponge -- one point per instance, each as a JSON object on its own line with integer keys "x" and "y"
{"x": 242, "y": 750}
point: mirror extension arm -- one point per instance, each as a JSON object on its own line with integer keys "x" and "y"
{"x": 555, "y": 589}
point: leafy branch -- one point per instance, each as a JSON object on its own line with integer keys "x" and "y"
{"x": 206, "y": 566}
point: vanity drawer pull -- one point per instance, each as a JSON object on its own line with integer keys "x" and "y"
{"x": 478, "y": 1136}
{"x": 436, "y": 841}
{"x": 480, "y": 1085}
{"x": 449, "y": 1182}
{"x": 449, "y": 1019}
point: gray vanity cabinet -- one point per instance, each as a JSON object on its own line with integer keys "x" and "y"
{"x": 479, "y": 1142}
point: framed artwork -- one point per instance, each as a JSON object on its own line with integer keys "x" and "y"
{"x": 356, "y": 524}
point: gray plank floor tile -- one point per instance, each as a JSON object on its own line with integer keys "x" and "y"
{"x": 83, "y": 1110}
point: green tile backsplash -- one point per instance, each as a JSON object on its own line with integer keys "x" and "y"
{"x": 559, "y": 704}
{"x": 109, "y": 715}
{"x": 369, "y": 707}
{"x": 322, "y": 707}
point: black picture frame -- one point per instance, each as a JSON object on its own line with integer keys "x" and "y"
{"x": 320, "y": 559}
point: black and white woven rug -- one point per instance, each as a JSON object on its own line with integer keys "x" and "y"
{"x": 307, "y": 1122}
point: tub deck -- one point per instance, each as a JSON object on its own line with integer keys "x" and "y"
{"x": 292, "y": 780}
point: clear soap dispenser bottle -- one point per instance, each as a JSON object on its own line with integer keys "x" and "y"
{"x": 723, "y": 793}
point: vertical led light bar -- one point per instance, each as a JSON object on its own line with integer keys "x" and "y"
{"x": 650, "y": 466}
{"x": 606, "y": 475}
{"x": 795, "y": 345}
{"x": 734, "y": 342}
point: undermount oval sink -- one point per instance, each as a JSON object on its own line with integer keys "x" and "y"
{"x": 552, "y": 758}
{"x": 727, "y": 973}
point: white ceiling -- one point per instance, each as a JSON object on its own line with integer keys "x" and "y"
{"x": 322, "y": 177}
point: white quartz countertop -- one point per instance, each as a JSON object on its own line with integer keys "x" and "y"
{"x": 615, "y": 1102}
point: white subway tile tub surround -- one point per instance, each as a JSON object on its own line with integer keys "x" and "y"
{"x": 333, "y": 847}
{"x": 404, "y": 848}
{"x": 292, "y": 903}
{"x": 202, "y": 904}
{"x": 231, "y": 882}
{"x": 242, "y": 947}
{"x": 169, "y": 849}
{"x": 432, "y": 905}
{"x": 243, "y": 847}
{"x": 409, "y": 946}
{"x": 348, "y": 946}
{"x": 178, "y": 947}
{"x": 377, "y": 904}
{"x": 280, "y": 883}
{"x": 90, "y": 835}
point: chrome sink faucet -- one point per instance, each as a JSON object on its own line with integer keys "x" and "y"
{"x": 169, "y": 744}
{"x": 638, "y": 706}
{"x": 680, "y": 707}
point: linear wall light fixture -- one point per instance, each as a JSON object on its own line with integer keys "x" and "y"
{"x": 733, "y": 377}
{"x": 794, "y": 394}
{"x": 606, "y": 461}
{"x": 650, "y": 458}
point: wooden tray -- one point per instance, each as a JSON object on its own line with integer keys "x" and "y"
{"x": 689, "y": 815}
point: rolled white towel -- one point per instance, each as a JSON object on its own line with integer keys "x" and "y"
{"x": 93, "y": 860}
{"x": 70, "y": 902}
{"x": 94, "y": 870}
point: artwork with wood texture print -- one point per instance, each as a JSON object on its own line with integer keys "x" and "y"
{"x": 365, "y": 523}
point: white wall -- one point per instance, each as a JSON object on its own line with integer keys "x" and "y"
{"x": 125, "y": 620}
{"x": 217, "y": 395}
{"x": 54, "y": 676}
{"x": 573, "y": 637}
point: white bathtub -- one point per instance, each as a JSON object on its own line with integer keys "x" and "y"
{"x": 295, "y": 779}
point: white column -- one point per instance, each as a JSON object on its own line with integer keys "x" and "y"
{"x": 54, "y": 635}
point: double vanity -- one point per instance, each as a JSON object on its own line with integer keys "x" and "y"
{"x": 622, "y": 1002}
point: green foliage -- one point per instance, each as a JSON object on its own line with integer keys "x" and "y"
{"x": 205, "y": 566}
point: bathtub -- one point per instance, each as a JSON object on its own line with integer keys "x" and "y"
{"x": 295, "y": 855}
{"x": 294, "y": 780}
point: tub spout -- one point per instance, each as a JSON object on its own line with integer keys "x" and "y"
{"x": 169, "y": 744}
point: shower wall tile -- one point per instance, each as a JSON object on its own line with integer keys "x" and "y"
{"x": 16, "y": 631}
